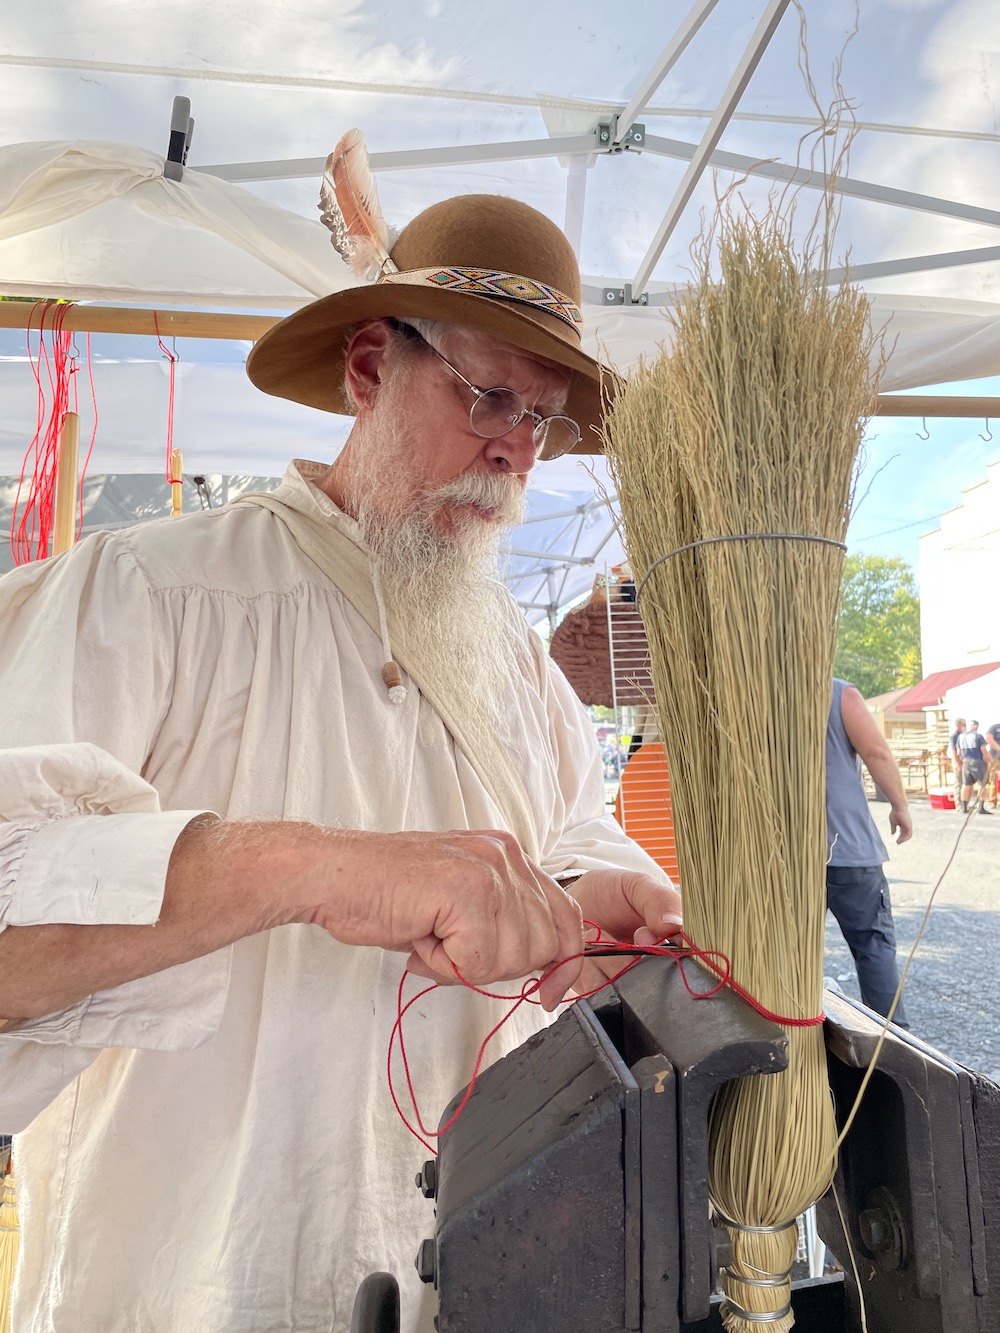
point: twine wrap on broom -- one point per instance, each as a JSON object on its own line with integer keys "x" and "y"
{"x": 747, "y": 429}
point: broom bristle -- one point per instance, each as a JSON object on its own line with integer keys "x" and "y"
{"x": 747, "y": 429}
{"x": 10, "y": 1242}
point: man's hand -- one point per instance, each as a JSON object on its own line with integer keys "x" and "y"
{"x": 629, "y": 906}
{"x": 900, "y": 822}
{"x": 465, "y": 900}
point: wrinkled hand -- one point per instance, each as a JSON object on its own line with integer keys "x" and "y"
{"x": 629, "y": 906}
{"x": 901, "y": 821}
{"x": 465, "y": 900}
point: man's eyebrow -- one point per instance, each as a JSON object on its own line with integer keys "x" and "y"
{"x": 555, "y": 403}
{"x": 554, "y": 399}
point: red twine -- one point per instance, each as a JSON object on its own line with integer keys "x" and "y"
{"x": 54, "y": 368}
{"x": 717, "y": 962}
{"x": 171, "y": 390}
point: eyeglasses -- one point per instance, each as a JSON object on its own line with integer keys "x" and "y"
{"x": 497, "y": 411}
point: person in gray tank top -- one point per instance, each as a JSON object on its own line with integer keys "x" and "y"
{"x": 857, "y": 892}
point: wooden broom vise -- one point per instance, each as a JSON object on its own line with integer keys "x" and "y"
{"x": 733, "y": 455}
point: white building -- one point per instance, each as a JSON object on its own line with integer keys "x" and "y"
{"x": 959, "y": 628}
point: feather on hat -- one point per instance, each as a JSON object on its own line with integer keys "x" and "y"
{"x": 483, "y": 261}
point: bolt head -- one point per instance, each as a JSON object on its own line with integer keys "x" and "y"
{"x": 426, "y": 1261}
{"x": 875, "y": 1229}
{"x": 427, "y": 1179}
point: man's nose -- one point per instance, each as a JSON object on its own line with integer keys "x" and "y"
{"x": 514, "y": 452}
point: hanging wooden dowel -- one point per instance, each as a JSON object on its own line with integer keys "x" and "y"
{"x": 67, "y": 482}
{"x": 176, "y": 488}
{"x": 135, "y": 319}
{"x": 934, "y": 405}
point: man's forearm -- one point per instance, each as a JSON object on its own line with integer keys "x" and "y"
{"x": 224, "y": 882}
{"x": 886, "y": 775}
{"x": 463, "y": 899}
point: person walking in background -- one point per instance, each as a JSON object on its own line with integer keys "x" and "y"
{"x": 992, "y": 735}
{"x": 975, "y": 762}
{"x": 956, "y": 758}
{"x": 857, "y": 892}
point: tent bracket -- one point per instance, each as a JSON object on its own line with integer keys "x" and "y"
{"x": 623, "y": 296}
{"x": 606, "y": 134}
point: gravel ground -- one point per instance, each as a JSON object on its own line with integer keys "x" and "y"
{"x": 951, "y": 991}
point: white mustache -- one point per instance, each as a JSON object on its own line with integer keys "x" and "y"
{"x": 492, "y": 491}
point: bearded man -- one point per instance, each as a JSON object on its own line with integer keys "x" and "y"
{"x": 258, "y": 761}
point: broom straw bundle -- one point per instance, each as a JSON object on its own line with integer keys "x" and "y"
{"x": 747, "y": 429}
{"x": 10, "y": 1238}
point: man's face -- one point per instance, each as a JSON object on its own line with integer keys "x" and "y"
{"x": 442, "y": 468}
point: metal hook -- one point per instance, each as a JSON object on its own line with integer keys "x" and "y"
{"x": 926, "y": 435}
{"x": 989, "y": 434}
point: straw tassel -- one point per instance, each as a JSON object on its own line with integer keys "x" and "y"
{"x": 10, "y": 1244}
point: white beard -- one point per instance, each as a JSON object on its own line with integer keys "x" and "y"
{"x": 444, "y": 590}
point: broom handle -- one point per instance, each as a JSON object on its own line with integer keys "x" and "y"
{"x": 66, "y": 483}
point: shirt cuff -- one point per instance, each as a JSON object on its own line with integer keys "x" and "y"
{"x": 88, "y": 870}
{"x": 173, "y": 1010}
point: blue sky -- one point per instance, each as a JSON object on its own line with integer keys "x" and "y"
{"x": 910, "y": 481}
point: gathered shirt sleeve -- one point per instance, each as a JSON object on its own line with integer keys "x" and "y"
{"x": 83, "y": 840}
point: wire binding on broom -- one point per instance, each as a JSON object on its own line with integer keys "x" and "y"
{"x": 771, "y": 1317}
{"x": 763, "y": 1231}
{"x": 737, "y": 537}
{"x": 778, "y": 1280}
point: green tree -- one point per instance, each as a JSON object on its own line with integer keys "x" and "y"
{"x": 878, "y": 636}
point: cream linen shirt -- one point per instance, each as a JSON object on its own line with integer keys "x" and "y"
{"x": 213, "y": 1149}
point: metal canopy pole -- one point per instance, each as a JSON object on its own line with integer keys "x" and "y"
{"x": 459, "y": 155}
{"x": 889, "y": 268}
{"x": 737, "y": 84}
{"x": 818, "y": 180}
{"x": 576, "y": 195}
{"x": 669, "y": 57}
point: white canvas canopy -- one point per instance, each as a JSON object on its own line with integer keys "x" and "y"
{"x": 621, "y": 125}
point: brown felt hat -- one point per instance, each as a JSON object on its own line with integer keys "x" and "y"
{"x": 479, "y": 260}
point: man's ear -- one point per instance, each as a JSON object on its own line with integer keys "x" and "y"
{"x": 363, "y": 361}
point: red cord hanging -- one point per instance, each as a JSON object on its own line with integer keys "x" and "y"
{"x": 54, "y": 367}
{"x": 171, "y": 392}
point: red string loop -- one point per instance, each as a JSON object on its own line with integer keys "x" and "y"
{"x": 54, "y": 368}
{"x": 713, "y": 959}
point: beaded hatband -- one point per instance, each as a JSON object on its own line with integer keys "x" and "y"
{"x": 493, "y": 282}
